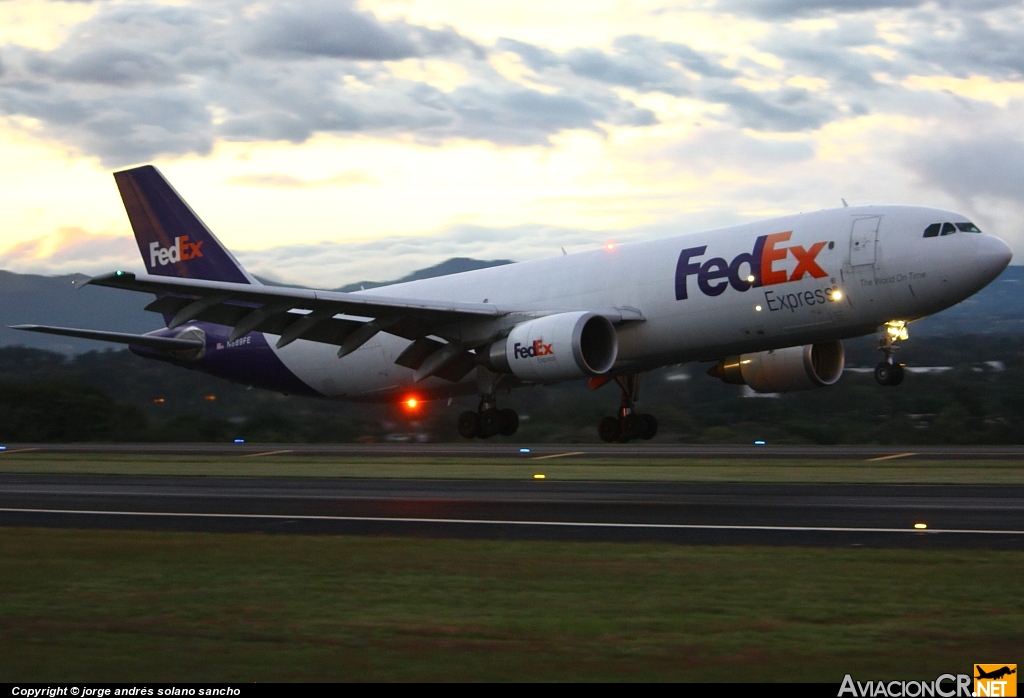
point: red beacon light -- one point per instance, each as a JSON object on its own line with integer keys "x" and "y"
{"x": 610, "y": 246}
{"x": 410, "y": 403}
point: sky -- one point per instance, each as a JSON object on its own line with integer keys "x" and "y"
{"x": 331, "y": 142}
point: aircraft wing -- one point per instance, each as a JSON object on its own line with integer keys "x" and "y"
{"x": 298, "y": 313}
{"x": 139, "y": 340}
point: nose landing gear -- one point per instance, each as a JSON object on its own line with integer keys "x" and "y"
{"x": 628, "y": 424}
{"x": 889, "y": 372}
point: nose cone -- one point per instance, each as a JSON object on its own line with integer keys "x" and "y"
{"x": 992, "y": 254}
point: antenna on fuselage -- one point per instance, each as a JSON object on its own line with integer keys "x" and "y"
{"x": 845, "y": 205}
{"x": 564, "y": 252}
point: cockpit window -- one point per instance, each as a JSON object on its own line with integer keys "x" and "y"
{"x": 948, "y": 229}
{"x": 932, "y": 230}
{"x": 968, "y": 227}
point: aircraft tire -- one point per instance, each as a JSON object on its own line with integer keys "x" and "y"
{"x": 608, "y": 429}
{"x": 508, "y": 422}
{"x": 884, "y": 373}
{"x": 468, "y": 424}
{"x": 490, "y": 423}
{"x": 632, "y": 427}
{"x": 649, "y": 426}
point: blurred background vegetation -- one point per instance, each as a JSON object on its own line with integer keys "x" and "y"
{"x": 974, "y": 396}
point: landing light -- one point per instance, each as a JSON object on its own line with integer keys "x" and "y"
{"x": 757, "y": 308}
{"x": 897, "y": 329}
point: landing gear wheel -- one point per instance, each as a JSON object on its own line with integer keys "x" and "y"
{"x": 490, "y": 423}
{"x": 631, "y": 427}
{"x": 649, "y": 426}
{"x": 508, "y": 422}
{"x": 889, "y": 374}
{"x": 608, "y": 429}
{"x": 469, "y": 425}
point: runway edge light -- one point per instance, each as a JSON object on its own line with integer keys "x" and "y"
{"x": 539, "y": 476}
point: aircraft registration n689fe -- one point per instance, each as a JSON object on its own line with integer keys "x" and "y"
{"x": 768, "y": 302}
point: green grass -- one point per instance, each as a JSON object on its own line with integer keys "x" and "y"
{"x": 129, "y": 606}
{"x": 991, "y": 471}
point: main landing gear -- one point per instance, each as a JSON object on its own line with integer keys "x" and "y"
{"x": 889, "y": 371}
{"x": 628, "y": 424}
{"x": 488, "y": 420}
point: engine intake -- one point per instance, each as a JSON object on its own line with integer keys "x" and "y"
{"x": 784, "y": 370}
{"x": 555, "y": 347}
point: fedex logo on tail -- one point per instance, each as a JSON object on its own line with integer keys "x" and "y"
{"x": 181, "y": 250}
{"x": 749, "y": 269}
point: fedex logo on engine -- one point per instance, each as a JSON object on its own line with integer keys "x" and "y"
{"x": 749, "y": 269}
{"x": 181, "y": 250}
{"x": 538, "y": 348}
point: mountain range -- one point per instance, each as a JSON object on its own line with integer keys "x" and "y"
{"x": 54, "y": 300}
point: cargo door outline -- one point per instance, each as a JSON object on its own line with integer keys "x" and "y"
{"x": 864, "y": 241}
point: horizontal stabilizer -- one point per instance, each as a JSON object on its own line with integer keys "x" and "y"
{"x": 140, "y": 340}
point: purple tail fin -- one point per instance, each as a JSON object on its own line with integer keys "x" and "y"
{"x": 171, "y": 237}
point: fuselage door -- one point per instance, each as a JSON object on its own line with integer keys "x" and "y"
{"x": 863, "y": 239}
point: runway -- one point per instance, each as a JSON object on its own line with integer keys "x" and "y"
{"x": 503, "y": 449}
{"x": 990, "y": 517}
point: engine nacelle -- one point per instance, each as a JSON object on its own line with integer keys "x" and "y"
{"x": 784, "y": 370}
{"x": 556, "y": 347}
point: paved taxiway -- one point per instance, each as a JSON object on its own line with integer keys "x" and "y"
{"x": 828, "y": 515}
{"x": 503, "y": 449}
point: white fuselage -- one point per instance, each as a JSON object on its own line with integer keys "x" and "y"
{"x": 858, "y": 268}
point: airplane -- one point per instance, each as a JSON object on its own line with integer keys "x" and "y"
{"x": 995, "y": 673}
{"x": 768, "y": 302}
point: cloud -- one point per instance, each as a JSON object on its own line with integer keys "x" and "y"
{"x": 779, "y": 9}
{"x": 648, "y": 65}
{"x": 990, "y": 165}
{"x": 338, "y": 30}
{"x": 284, "y": 181}
{"x": 714, "y": 149}
{"x": 137, "y": 81}
{"x": 72, "y": 250}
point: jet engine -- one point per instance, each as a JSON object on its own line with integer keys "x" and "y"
{"x": 555, "y": 347}
{"x": 784, "y": 370}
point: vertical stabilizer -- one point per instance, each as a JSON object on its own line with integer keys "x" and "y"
{"x": 171, "y": 237}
